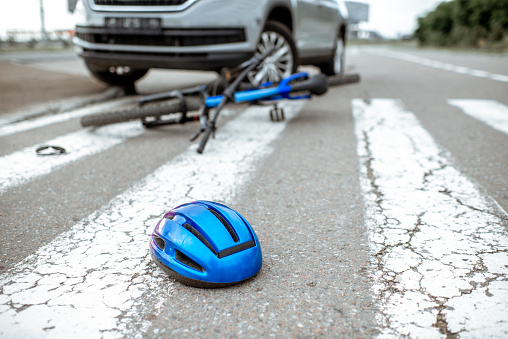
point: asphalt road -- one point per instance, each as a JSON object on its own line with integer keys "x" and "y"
{"x": 380, "y": 209}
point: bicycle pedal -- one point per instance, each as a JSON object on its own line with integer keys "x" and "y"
{"x": 277, "y": 114}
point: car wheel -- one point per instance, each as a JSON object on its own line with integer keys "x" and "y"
{"x": 284, "y": 60}
{"x": 337, "y": 62}
{"x": 119, "y": 75}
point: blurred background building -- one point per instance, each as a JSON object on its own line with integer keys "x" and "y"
{"x": 359, "y": 13}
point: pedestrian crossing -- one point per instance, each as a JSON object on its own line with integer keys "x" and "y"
{"x": 9, "y": 128}
{"x": 20, "y": 167}
{"x": 490, "y": 112}
{"x": 438, "y": 244}
{"x": 430, "y": 229}
{"x": 84, "y": 280}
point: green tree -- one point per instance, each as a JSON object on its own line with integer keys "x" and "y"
{"x": 464, "y": 23}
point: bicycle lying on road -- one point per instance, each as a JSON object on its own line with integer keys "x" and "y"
{"x": 174, "y": 107}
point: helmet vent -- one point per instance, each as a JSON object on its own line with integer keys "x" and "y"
{"x": 187, "y": 261}
{"x": 226, "y": 224}
{"x": 159, "y": 242}
{"x": 200, "y": 236}
{"x": 236, "y": 249}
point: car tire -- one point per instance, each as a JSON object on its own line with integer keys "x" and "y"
{"x": 283, "y": 62}
{"x": 337, "y": 63}
{"x": 118, "y": 76}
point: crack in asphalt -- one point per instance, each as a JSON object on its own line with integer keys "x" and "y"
{"x": 390, "y": 283}
{"x": 438, "y": 247}
{"x": 370, "y": 171}
{"x": 441, "y": 322}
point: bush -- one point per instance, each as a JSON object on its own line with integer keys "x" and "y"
{"x": 465, "y": 23}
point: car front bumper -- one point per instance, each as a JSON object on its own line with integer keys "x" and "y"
{"x": 206, "y": 35}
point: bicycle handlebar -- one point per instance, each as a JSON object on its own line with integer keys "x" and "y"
{"x": 316, "y": 85}
{"x": 202, "y": 142}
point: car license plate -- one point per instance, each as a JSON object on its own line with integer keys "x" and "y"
{"x": 143, "y": 24}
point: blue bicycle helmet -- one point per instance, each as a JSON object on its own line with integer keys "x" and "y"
{"x": 206, "y": 244}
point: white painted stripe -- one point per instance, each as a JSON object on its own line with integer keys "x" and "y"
{"x": 490, "y": 112}
{"x": 440, "y": 249}
{"x": 97, "y": 280}
{"x": 27, "y": 125}
{"x": 437, "y": 64}
{"x": 20, "y": 167}
{"x": 60, "y": 106}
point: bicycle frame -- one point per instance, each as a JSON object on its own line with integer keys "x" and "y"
{"x": 264, "y": 93}
{"x": 312, "y": 85}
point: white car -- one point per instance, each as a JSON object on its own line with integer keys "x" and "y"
{"x": 120, "y": 40}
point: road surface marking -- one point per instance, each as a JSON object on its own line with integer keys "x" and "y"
{"x": 490, "y": 112}
{"x": 20, "y": 167}
{"x": 440, "y": 247}
{"x": 97, "y": 279}
{"x": 438, "y": 64}
{"x": 27, "y": 125}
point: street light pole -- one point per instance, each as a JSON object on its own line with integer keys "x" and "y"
{"x": 43, "y": 22}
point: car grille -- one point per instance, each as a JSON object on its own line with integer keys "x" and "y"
{"x": 187, "y": 56}
{"x": 168, "y": 37}
{"x": 139, "y": 2}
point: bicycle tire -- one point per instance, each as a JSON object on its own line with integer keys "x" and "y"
{"x": 343, "y": 79}
{"x": 139, "y": 112}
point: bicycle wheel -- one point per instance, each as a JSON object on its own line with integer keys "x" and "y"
{"x": 343, "y": 79}
{"x": 139, "y": 112}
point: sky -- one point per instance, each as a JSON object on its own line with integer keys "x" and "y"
{"x": 392, "y": 18}
{"x": 388, "y": 17}
{"x": 25, "y": 15}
